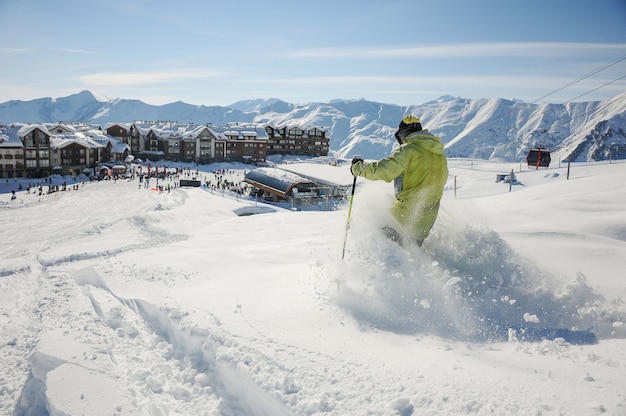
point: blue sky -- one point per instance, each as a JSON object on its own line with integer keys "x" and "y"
{"x": 393, "y": 51}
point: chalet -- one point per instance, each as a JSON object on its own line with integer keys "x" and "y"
{"x": 121, "y": 131}
{"x": 35, "y": 155}
{"x": 32, "y": 150}
{"x": 205, "y": 145}
{"x": 112, "y": 148}
{"x": 12, "y": 162}
{"x": 38, "y": 150}
{"x": 242, "y": 142}
{"x": 297, "y": 140}
{"x": 158, "y": 140}
{"x": 77, "y": 147}
{"x": 36, "y": 139}
{"x": 73, "y": 152}
{"x": 200, "y": 144}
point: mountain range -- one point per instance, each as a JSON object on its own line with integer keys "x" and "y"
{"x": 492, "y": 129}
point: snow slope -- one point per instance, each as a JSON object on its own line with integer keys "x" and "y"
{"x": 119, "y": 300}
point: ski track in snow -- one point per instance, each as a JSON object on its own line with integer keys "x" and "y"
{"x": 112, "y": 327}
{"x": 77, "y": 322}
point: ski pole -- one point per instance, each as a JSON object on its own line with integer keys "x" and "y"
{"x": 345, "y": 239}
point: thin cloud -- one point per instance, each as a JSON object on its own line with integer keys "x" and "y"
{"x": 376, "y": 80}
{"x": 448, "y": 83}
{"x": 79, "y": 51}
{"x": 15, "y": 50}
{"x": 135, "y": 78}
{"x": 470, "y": 50}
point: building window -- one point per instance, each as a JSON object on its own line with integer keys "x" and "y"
{"x": 296, "y": 133}
{"x": 173, "y": 146}
{"x": 42, "y": 139}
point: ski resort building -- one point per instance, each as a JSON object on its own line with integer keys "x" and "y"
{"x": 277, "y": 185}
{"x": 333, "y": 182}
{"x": 234, "y": 142}
{"x": 316, "y": 191}
{"x": 12, "y": 158}
{"x": 39, "y": 150}
{"x": 25, "y": 151}
{"x": 198, "y": 143}
{"x": 297, "y": 140}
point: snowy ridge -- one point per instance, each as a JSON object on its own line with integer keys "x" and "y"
{"x": 489, "y": 129}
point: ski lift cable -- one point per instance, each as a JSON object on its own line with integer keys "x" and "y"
{"x": 603, "y": 67}
{"x": 594, "y": 112}
{"x": 595, "y": 89}
{"x": 599, "y": 108}
{"x": 577, "y": 80}
{"x": 591, "y": 114}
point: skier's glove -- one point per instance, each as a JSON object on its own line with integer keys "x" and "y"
{"x": 357, "y": 166}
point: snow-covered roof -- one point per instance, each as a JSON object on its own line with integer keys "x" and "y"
{"x": 9, "y": 137}
{"x": 288, "y": 127}
{"x": 178, "y": 131}
{"x": 59, "y": 141}
{"x": 12, "y": 135}
{"x": 275, "y": 179}
{"x": 61, "y": 128}
{"x": 120, "y": 147}
{"x": 165, "y": 130}
{"x": 243, "y": 131}
{"x": 25, "y": 129}
{"x": 124, "y": 125}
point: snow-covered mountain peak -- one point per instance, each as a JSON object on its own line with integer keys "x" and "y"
{"x": 489, "y": 128}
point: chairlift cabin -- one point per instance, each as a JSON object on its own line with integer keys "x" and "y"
{"x": 539, "y": 157}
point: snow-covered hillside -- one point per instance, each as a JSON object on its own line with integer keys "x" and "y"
{"x": 488, "y": 129}
{"x": 116, "y": 299}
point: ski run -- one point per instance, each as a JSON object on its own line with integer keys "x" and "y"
{"x": 116, "y": 299}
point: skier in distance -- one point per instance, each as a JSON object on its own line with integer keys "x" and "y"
{"x": 419, "y": 170}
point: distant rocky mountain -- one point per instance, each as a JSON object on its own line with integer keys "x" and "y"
{"x": 494, "y": 129}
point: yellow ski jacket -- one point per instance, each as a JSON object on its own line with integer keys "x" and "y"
{"x": 420, "y": 170}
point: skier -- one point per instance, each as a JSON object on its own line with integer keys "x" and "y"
{"x": 419, "y": 170}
